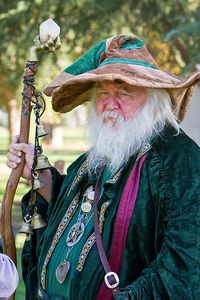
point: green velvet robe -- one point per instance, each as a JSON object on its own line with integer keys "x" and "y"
{"x": 162, "y": 254}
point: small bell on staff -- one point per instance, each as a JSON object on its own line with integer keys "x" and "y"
{"x": 37, "y": 184}
{"x": 41, "y": 131}
{"x": 26, "y": 228}
{"x": 37, "y": 221}
{"x": 42, "y": 163}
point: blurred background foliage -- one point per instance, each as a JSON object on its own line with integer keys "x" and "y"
{"x": 171, "y": 30}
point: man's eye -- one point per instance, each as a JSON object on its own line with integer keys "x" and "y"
{"x": 124, "y": 94}
{"x": 103, "y": 92}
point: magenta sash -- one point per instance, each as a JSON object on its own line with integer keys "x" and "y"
{"x": 123, "y": 218}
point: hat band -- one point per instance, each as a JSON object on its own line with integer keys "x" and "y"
{"x": 108, "y": 61}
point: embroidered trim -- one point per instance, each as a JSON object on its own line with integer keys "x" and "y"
{"x": 102, "y": 214}
{"x": 40, "y": 294}
{"x": 91, "y": 240}
{"x": 63, "y": 224}
{"x": 81, "y": 172}
{"x": 84, "y": 252}
{"x": 145, "y": 148}
{"x": 115, "y": 177}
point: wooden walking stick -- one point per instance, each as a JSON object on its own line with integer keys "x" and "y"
{"x": 49, "y": 41}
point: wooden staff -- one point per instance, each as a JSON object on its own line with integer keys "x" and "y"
{"x": 49, "y": 41}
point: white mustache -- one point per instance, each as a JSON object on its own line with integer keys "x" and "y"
{"x": 116, "y": 117}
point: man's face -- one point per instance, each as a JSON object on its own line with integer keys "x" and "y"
{"x": 122, "y": 98}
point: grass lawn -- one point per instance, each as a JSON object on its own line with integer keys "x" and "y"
{"x": 74, "y": 145}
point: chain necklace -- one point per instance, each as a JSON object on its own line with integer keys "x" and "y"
{"x": 76, "y": 232}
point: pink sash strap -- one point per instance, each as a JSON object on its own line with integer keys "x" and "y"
{"x": 124, "y": 214}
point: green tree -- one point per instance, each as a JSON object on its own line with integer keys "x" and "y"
{"x": 172, "y": 28}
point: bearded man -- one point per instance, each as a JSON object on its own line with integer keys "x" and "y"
{"x": 125, "y": 220}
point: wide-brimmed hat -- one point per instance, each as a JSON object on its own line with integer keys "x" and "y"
{"x": 123, "y": 58}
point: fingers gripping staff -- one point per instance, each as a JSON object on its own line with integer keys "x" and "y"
{"x": 49, "y": 41}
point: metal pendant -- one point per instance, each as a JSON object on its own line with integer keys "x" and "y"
{"x": 62, "y": 271}
{"x": 86, "y": 207}
{"x": 75, "y": 234}
{"x": 90, "y": 195}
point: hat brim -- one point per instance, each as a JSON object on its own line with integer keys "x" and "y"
{"x": 69, "y": 91}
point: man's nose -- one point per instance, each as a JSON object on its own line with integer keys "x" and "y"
{"x": 112, "y": 103}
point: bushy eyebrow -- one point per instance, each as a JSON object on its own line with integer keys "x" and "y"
{"x": 99, "y": 88}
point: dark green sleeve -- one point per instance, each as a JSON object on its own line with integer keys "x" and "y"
{"x": 175, "y": 273}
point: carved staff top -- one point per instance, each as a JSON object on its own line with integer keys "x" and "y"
{"x": 48, "y": 40}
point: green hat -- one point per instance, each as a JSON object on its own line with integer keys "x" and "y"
{"x": 124, "y": 58}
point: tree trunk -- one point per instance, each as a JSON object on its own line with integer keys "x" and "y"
{"x": 13, "y": 116}
{"x": 57, "y": 136}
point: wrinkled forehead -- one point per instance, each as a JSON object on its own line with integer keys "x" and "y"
{"x": 118, "y": 84}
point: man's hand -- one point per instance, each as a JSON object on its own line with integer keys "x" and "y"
{"x": 14, "y": 156}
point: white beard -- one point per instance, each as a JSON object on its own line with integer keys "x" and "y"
{"x": 112, "y": 145}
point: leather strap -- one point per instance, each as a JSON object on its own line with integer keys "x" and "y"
{"x": 124, "y": 214}
{"x": 112, "y": 281}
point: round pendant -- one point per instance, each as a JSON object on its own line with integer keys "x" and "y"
{"x": 90, "y": 195}
{"x": 62, "y": 270}
{"x": 86, "y": 207}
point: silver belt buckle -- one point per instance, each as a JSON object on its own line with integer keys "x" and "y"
{"x": 111, "y": 280}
